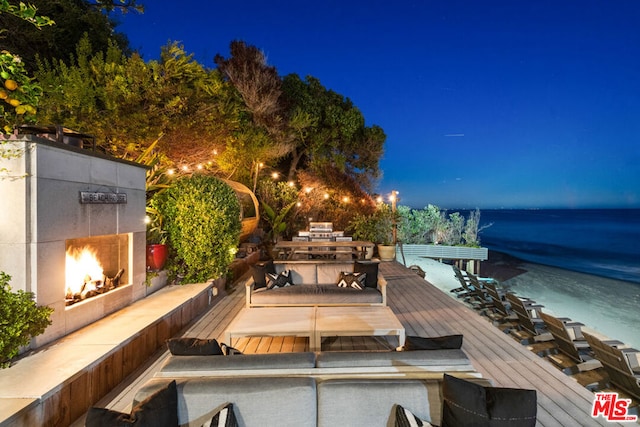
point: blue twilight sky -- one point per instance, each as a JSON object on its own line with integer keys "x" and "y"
{"x": 489, "y": 104}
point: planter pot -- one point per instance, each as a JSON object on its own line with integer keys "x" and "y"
{"x": 156, "y": 257}
{"x": 368, "y": 252}
{"x": 387, "y": 252}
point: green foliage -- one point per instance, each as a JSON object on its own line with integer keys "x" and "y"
{"x": 20, "y": 320}
{"x": 203, "y": 221}
{"x": 18, "y": 90}
{"x": 73, "y": 20}
{"x": 277, "y": 220}
{"x": 277, "y": 202}
{"x": 125, "y": 103}
{"x": 328, "y": 128}
{"x": 432, "y": 225}
{"x": 376, "y": 227}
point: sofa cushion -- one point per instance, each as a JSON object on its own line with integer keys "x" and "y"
{"x": 159, "y": 408}
{"x": 315, "y": 295}
{"x": 372, "y": 401}
{"x": 405, "y": 418}
{"x": 301, "y": 273}
{"x": 433, "y": 343}
{"x": 329, "y": 272}
{"x": 198, "y": 364}
{"x": 352, "y": 280}
{"x": 257, "y": 401}
{"x": 193, "y": 347}
{"x": 341, "y": 359}
{"x": 279, "y": 280}
{"x": 469, "y": 404}
{"x": 371, "y": 269}
{"x": 259, "y": 273}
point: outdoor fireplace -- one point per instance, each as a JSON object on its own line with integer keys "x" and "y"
{"x": 94, "y": 266}
{"x": 63, "y": 202}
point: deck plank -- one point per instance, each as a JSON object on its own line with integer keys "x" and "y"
{"x": 424, "y": 310}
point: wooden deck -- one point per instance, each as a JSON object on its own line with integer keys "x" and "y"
{"x": 424, "y": 310}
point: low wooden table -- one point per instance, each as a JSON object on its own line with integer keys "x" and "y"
{"x": 356, "y": 321}
{"x": 273, "y": 322}
{"x": 315, "y": 323}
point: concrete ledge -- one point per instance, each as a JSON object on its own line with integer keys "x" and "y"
{"x": 57, "y": 383}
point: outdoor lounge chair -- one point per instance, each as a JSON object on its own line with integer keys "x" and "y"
{"x": 471, "y": 290}
{"x": 621, "y": 364}
{"x": 500, "y": 309}
{"x": 531, "y": 326}
{"x": 571, "y": 343}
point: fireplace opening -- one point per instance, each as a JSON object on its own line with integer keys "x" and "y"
{"x": 95, "y": 265}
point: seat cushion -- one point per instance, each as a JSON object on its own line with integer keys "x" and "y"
{"x": 316, "y": 295}
{"x": 342, "y": 359}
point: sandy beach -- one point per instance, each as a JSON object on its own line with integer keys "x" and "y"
{"x": 607, "y": 306}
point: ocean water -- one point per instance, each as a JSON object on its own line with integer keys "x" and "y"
{"x": 582, "y": 264}
{"x": 604, "y": 242}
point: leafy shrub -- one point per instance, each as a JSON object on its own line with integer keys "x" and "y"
{"x": 20, "y": 320}
{"x": 433, "y": 225}
{"x": 202, "y": 219}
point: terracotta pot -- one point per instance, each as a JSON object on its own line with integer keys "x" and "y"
{"x": 156, "y": 257}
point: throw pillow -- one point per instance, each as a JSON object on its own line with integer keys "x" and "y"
{"x": 228, "y": 350}
{"x": 194, "y": 347}
{"x": 158, "y": 410}
{"x": 259, "y": 273}
{"x": 352, "y": 280}
{"x": 279, "y": 280}
{"x": 371, "y": 269}
{"x": 469, "y": 404}
{"x": 446, "y": 342}
{"x": 225, "y": 417}
{"x": 404, "y": 418}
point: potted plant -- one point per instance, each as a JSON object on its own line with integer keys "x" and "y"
{"x": 157, "y": 250}
{"x": 377, "y": 228}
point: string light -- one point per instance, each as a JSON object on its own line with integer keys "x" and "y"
{"x": 326, "y": 196}
{"x": 274, "y": 175}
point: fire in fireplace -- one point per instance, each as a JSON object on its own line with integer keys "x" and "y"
{"x": 94, "y": 266}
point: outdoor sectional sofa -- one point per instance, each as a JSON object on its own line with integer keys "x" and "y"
{"x": 309, "y": 401}
{"x": 315, "y": 283}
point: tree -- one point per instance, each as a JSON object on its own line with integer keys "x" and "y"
{"x": 74, "y": 19}
{"x": 18, "y": 91}
{"x": 126, "y": 102}
{"x": 328, "y": 129}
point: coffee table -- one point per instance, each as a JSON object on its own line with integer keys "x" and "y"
{"x": 356, "y": 321}
{"x": 272, "y": 322}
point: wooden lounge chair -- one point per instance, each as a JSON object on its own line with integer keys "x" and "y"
{"x": 531, "y": 327}
{"x": 576, "y": 355}
{"x": 500, "y": 311}
{"x": 471, "y": 290}
{"x": 621, "y": 364}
